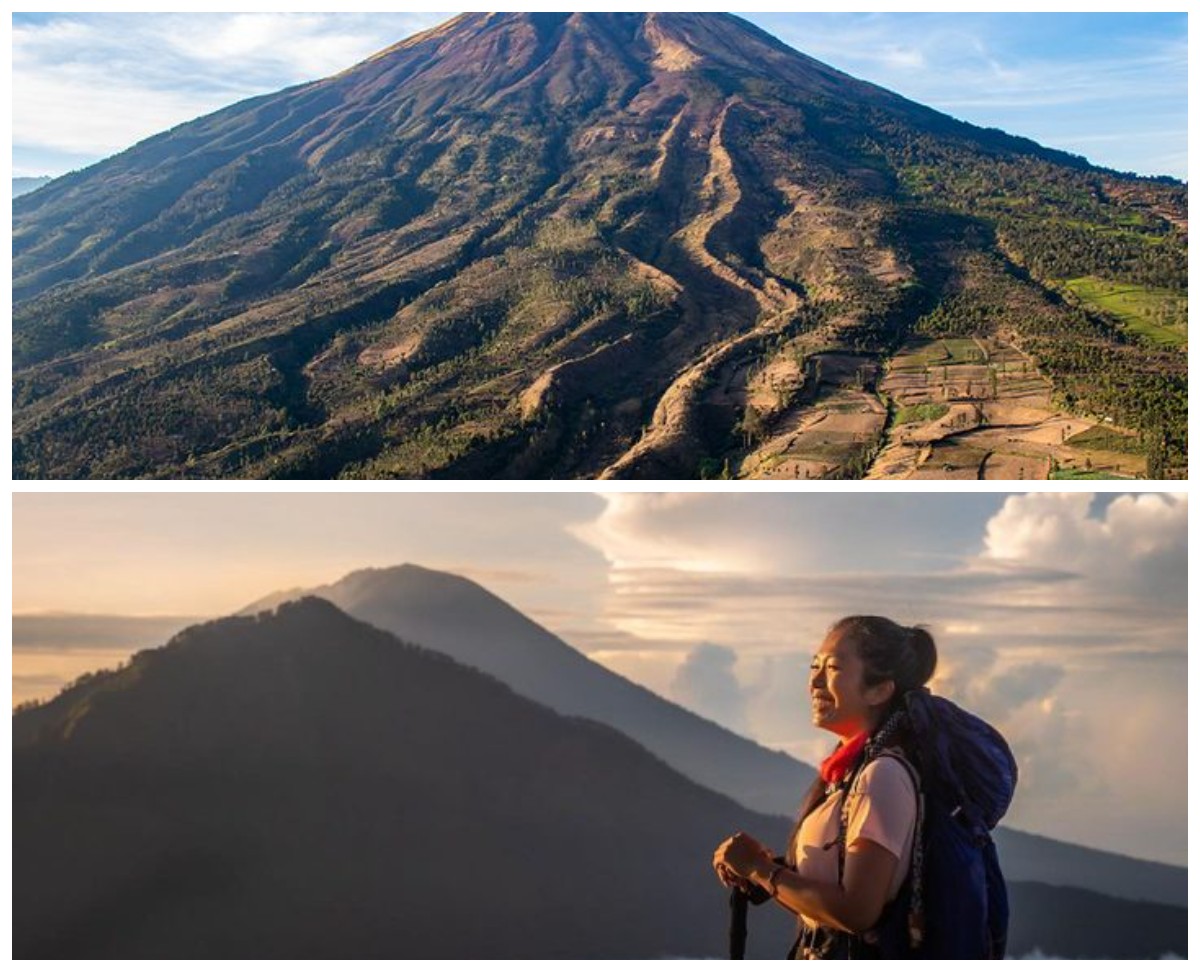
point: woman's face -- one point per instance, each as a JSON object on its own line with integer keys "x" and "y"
{"x": 842, "y": 703}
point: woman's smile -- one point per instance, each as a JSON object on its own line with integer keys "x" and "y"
{"x": 824, "y": 706}
{"x": 841, "y": 703}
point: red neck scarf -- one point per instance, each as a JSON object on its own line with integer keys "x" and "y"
{"x": 840, "y": 761}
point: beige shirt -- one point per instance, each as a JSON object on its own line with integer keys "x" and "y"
{"x": 882, "y": 809}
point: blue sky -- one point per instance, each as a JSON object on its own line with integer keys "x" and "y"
{"x": 1112, "y": 87}
{"x": 1061, "y": 617}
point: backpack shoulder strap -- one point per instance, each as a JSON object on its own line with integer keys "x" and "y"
{"x": 916, "y": 869}
{"x": 852, "y": 780}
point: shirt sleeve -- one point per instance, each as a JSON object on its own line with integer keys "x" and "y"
{"x": 883, "y": 807}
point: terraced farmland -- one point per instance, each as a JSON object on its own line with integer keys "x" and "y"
{"x": 977, "y": 408}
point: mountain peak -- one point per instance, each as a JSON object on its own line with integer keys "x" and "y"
{"x": 508, "y": 46}
{"x": 308, "y": 608}
{"x": 257, "y": 789}
{"x": 405, "y": 573}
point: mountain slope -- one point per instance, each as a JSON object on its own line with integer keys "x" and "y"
{"x": 617, "y": 245}
{"x": 21, "y": 185}
{"x": 1057, "y": 922}
{"x": 301, "y": 785}
{"x": 453, "y": 615}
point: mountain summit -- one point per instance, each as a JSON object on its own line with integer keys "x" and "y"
{"x": 622, "y": 245}
{"x": 455, "y": 616}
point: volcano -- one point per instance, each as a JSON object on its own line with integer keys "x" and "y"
{"x": 300, "y": 785}
{"x": 597, "y": 246}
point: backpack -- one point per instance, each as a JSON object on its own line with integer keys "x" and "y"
{"x": 953, "y": 903}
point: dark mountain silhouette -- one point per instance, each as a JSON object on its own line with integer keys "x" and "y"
{"x": 302, "y": 785}
{"x": 1073, "y": 919}
{"x": 299, "y": 784}
{"x": 522, "y": 245}
{"x": 456, "y": 616}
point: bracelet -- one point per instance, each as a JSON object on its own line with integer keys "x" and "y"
{"x": 773, "y": 880}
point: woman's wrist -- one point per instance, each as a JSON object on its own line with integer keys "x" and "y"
{"x": 765, "y": 871}
{"x": 768, "y": 876}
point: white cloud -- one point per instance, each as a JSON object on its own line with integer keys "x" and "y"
{"x": 291, "y": 46}
{"x": 92, "y": 85}
{"x": 95, "y": 116}
{"x": 904, "y": 58}
{"x": 1136, "y": 548}
{"x": 639, "y": 530}
{"x": 707, "y": 682}
{"x": 767, "y": 535}
{"x": 1055, "y": 573}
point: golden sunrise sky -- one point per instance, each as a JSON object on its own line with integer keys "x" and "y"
{"x": 1060, "y": 617}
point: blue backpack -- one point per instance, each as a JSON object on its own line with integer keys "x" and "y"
{"x": 954, "y": 902}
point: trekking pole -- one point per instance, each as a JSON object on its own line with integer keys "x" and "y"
{"x": 739, "y": 905}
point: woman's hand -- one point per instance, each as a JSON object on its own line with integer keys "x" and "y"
{"x": 741, "y": 859}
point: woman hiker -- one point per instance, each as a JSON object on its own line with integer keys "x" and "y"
{"x": 852, "y": 850}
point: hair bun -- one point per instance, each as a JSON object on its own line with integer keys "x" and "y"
{"x": 926, "y": 655}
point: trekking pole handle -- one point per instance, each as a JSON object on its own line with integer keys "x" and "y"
{"x": 739, "y": 906}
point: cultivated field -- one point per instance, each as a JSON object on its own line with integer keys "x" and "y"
{"x": 1156, "y": 314}
{"x": 966, "y": 408}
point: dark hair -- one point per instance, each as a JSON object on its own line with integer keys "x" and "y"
{"x": 906, "y": 656}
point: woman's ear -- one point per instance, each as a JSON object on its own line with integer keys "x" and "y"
{"x": 881, "y": 692}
